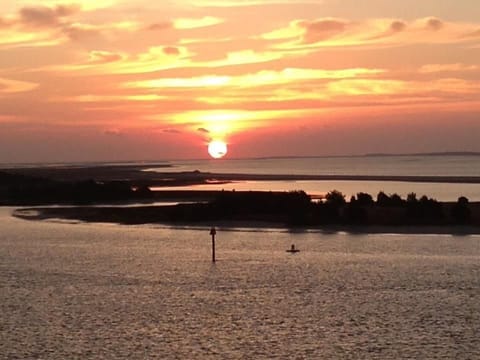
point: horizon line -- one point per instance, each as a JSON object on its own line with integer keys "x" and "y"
{"x": 272, "y": 157}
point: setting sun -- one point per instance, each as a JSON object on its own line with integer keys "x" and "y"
{"x": 217, "y": 149}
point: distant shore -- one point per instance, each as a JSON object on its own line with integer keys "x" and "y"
{"x": 76, "y": 192}
{"x": 125, "y": 218}
{"x": 286, "y": 210}
{"x": 140, "y": 175}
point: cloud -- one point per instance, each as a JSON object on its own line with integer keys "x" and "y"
{"x": 171, "y": 131}
{"x": 160, "y": 26}
{"x": 113, "y": 132}
{"x": 86, "y": 5}
{"x": 435, "y": 68}
{"x": 397, "y": 26}
{"x": 92, "y": 98}
{"x": 78, "y": 32}
{"x": 308, "y": 35}
{"x": 227, "y": 121}
{"x": 43, "y": 16}
{"x": 4, "y": 23}
{"x": 42, "y": 26}
{"x": 434, "y": 24}
{"x": 48, "y": 26}
{"x": 8, "y": 86}
{"x": 246, "y": 3}
{"x": 165, "y": 58}
{"x": 203, "y": 130}
{"x": 103, "y": 57}
{"x": 366, "y": 87}
{"x": 171, "y": 50}
{"x": 155, "y": 59}
{"x": 187, "y": 23}
{"x": 261, "y": 78}
{"x": 473, "y": 34}
{"x": 322, "y": 29}
{"x": 10, "y": 119}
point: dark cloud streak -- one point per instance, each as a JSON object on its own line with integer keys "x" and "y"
{"x": 171, "y": 50}
{"x": 160, "y": 26}
{"x": 323, "y": 29}
{"x": 435, "y": 24}
{"x": 397, "y": 26}
{"x": 43, "y": 16}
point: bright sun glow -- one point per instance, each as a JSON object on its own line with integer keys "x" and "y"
{"x": 217, "y": 149}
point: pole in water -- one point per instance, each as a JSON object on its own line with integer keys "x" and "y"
{"x": 292, "y": 249}
{"x": 213, "y": 232}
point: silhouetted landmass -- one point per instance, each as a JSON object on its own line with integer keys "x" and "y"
{"x": 60, "y": 186}
{"x": 291, "y": 209}
{"x": 129, "y": 184}
{"x": 442, "y": 153}
{"x": 18, "y": 189}
{"x": 136, "y": 176}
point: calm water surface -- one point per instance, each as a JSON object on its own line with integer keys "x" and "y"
{"x": 438, "y": 191}
{"x": 110, "y": 291}
{"x": 366, "y": 165}
{"x": 418, "y": 165}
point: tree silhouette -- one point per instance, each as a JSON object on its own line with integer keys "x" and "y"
{"x": 335, "y": 198}
{"x": 461, "y": 211}
{"x": 365, "y": 199}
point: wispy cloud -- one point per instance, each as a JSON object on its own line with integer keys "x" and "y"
{"x": 247, "y": 3}
{"x": 85, "y": 5}
{"x": 262, "y": 78}
{"x": 48, "y": 26}
{"x": 322, "y": 29}
{"x": 436, "y": 68}
{"x": 329, "y": 32}
{"x": 209, "y": 67}
{"x": 9, "y": 86}
{"x": 187, "y": 23}
{"x": 43, "y": 16}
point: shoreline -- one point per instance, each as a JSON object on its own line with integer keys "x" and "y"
{"x": 76, "y": 193}
{"x": 125, "y": 216}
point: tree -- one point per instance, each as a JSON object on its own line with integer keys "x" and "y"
{"x": 396, "y": 200}
{"x": 461, "y": 211}
{"x": 412, "y": 198}
{"x": 383, "y": 199}
{"x": 364, "y": 199}
{"x": 336, "y": 198}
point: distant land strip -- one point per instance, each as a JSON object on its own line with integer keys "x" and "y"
{"x": 444, "y": 153}
{"x": 293, "y": 177}
{"x": 139, "y": 174}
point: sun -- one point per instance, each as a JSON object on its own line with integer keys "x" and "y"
{"x": 217, "y": 149}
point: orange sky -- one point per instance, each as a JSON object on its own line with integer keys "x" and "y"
{"x": 123, "y": 80}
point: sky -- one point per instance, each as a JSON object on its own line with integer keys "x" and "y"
{"x": 116, "y": 80}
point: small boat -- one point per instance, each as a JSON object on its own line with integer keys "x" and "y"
{"x": 292, "y": 249}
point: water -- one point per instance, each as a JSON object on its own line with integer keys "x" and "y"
{"x": 414, "y": 165}
{"x": 135, "y": 292}
{"x": 382, "y": 165}
{"x": 438, "y": 191}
